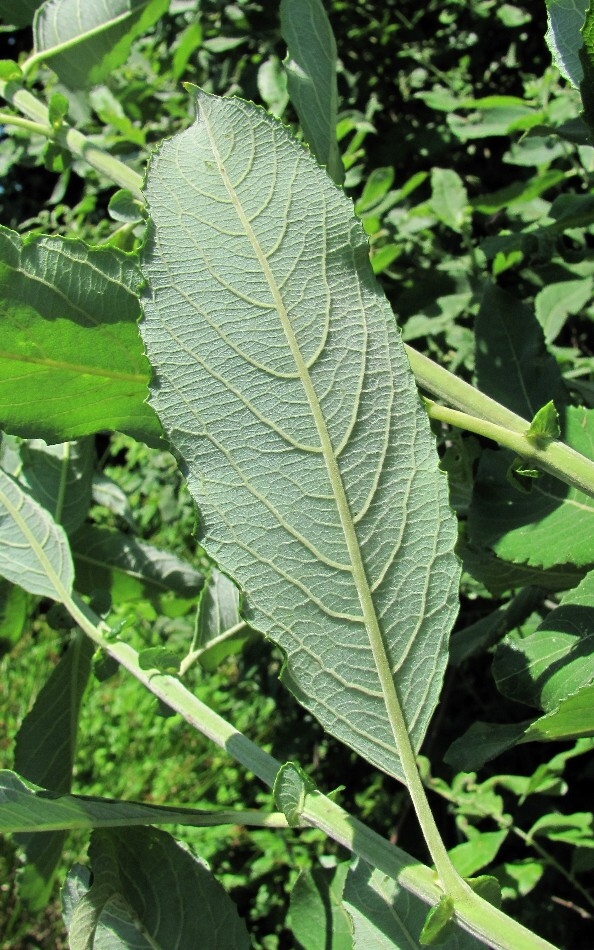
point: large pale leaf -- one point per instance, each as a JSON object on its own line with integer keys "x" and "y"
{"x": 173, "y": 898}
{"x": 282, "y": 381}
{"x": 311, "y": 78}
{"x": 34, "y": 551}
{"x": 386, "y": 917}
{"x": 83, "y": 42}
{"x": 69, "y": 334}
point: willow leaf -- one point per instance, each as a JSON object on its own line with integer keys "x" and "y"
{"x": 34, "y": 551}
{"x": 282, "y": 382}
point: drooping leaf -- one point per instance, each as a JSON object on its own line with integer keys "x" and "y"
{"x": 14, "y": 611}
{"x": 449, "y": 200}
{"x": 565, "y": 21}
{"x": 116, "y": 929}
{"x": 171, "y": 895}
{"x": 34, "y": 551}
{"x": 513, "y": 365}
{"x": 44, "y": 755}
{"x": 555, "y": 302}
{"x": 285, "y": 389}
{"x": 549, "y": 527}
{"x": 60, "y": 478}
{"x": 130, "y": 569}
{"x": 311, "y": 78}
{"x": 19, "y": 12}
{"x": 555, "y": 661}
{"x": 319, "y": 921}
{"x": 83, "y": 42}
{"x": 69, "y": 331}
{"x": 25, "y": 806}
{"x": 386, "y": 917}
{"x": 221, "y": 630}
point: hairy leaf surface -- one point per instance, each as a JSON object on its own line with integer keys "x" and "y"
{"x": 282, "y": 381}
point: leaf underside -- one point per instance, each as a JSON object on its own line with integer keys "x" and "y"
{"x": 283, "y": 385}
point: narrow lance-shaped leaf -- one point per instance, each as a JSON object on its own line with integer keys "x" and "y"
{"x": 311, "y": 78}
{"x": 283, "y": 384}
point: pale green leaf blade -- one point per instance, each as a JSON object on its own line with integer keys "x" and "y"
{"x": 171, "y": 895}
{"x": 386, "y": 917}
{"x": 34, "y": 551}
{"x": 83, "y": 42}
{"x": 565, "y": 20}
{"x": 116, "y": 929}
{"x": 555, "y": 302}
{"x": 69, "y": 331}
{"x": 311, "y": 78}
{"x": 285, "y": 389}
{"x": 27, "y": 807}
{"x": 319, "y": 921}
{"x": 60, "y": 478}
{"x": 449, "y": 200}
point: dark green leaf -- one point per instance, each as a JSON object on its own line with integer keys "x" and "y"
{"x": 172, "y": 896}
{"x": 44, "y": 755}
{"x": 311, "y": 78}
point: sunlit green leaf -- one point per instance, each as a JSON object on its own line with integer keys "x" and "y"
{"x": 69, "y": 330}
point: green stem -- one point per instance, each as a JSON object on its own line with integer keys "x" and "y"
{"x": 557, "y": 458}
{"x": 483, "y": 415}
{"x": 473, "y": 914}
{"x": 36, "y": 127}
{"x": 72, "y": 140}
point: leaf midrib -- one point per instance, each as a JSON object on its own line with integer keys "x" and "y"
{"x": 359, "y": 574}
